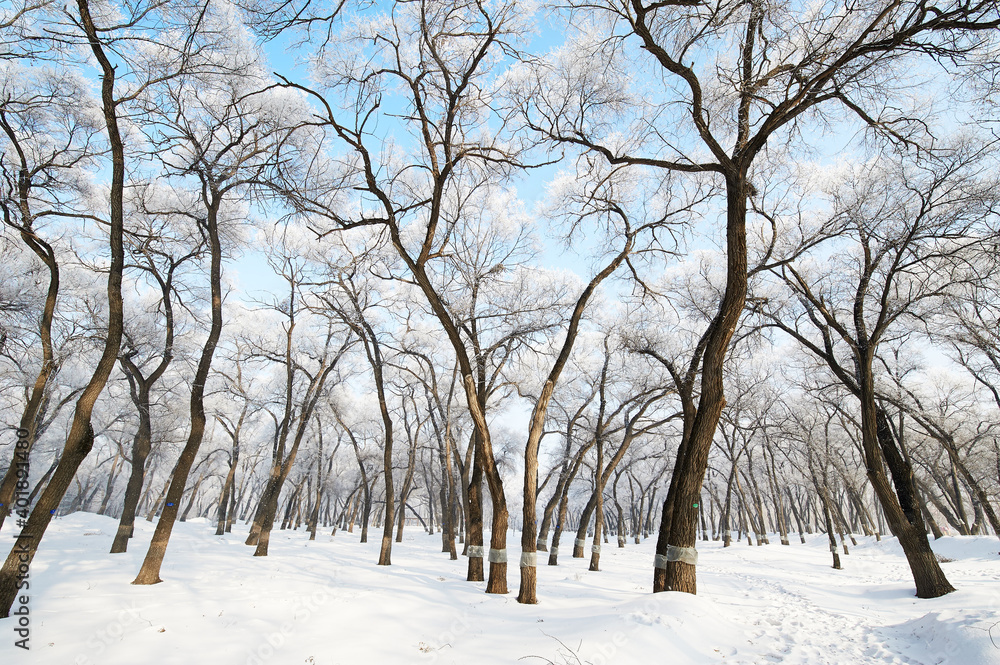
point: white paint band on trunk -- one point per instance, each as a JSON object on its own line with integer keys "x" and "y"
{"x": 475, "y": 552}
{"x": 580, "y": 542}
{"x": 540, "y": 544}
{"x": 687, "y": 555}
{"x": 554, "y": 549}
{"x": 498, "y": 556}
{"x": 683, "y": 554}
{"x": 529, "y": 559}
{"x": 595, "y": 549}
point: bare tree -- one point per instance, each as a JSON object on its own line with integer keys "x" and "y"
{"x": 239, "y": 387}
{"x": 739, "y": 75}
{"x": 227, "y": 141}
{"x": 310, "y": 350}
{"x": 80, "y": 440}
{"x": 444, "y": 425}
{"x": 51, "y": 129}
{"x": 904, "y": 234}
{"x": 154, "y": 257}
{"x": 444, "y": 79}
{"x": 351, "y": 298}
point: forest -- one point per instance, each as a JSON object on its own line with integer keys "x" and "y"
{"x": 512, "y": 274}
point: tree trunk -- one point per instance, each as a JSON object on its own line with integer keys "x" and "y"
{"x": 557, "y": 532}
{"x": 620, "y": 527}
{"x": 149, "y": 573}
{"x": 795, "y": 513}
{"x": 829, "y": 527}
{"x": 194, "y": 495}
{"x": 595, "y": 547}
{"x": 562, "y": 489}
{"x": 474, "y": 528}
{"x": 900, "y": 508}
{"x": 228, "y": 493}
{"x": 141, "y": 446}
{"x": 779, "y": 516}
{"x": 27, "y": 431}
{"x": 81, "y": 435}
{"x": 404, "y": 491}
{"x": 678, "y": 524}
{"x": 448, "y": 499}
{"x": 110, "y": 487}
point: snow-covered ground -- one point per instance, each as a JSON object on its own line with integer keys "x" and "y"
{"x": 326, "y": 602}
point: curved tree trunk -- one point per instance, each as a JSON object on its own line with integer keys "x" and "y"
{"x": 678, "y": 526}
{"x": 901, "y": 510}
{"x": 27, "y": 431}
{"x": 149, "y": 573}
{"x": 81, "y": 435}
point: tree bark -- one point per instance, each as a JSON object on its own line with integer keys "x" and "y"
{"x": 80, "y": 440}
{"x": 149, "y": 573}
{"x": 678, "y": 525}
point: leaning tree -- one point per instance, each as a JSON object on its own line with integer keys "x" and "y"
{"x": 738, "y": 78}
{"x": 900, "y": 238}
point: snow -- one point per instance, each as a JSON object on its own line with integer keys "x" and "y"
{"x": 326, "y": 602}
